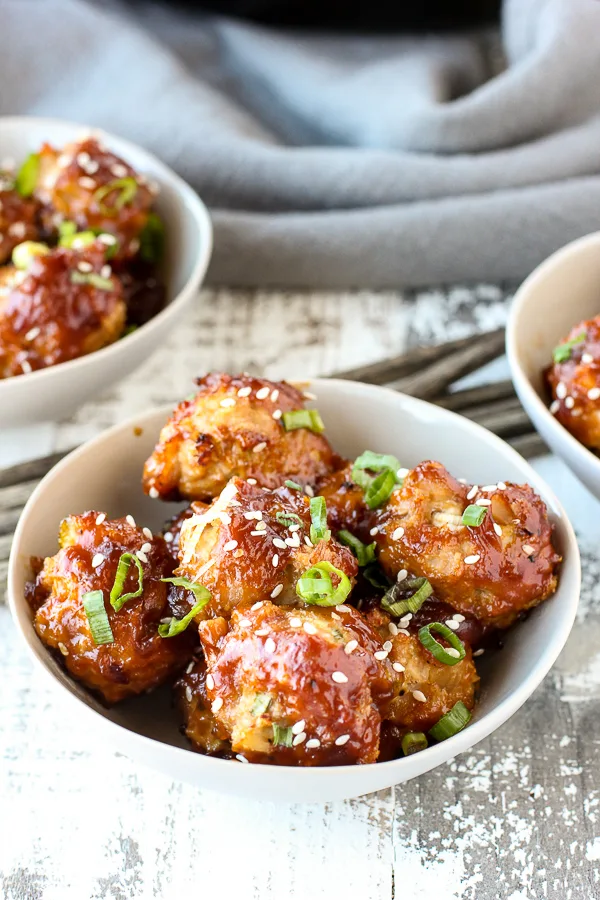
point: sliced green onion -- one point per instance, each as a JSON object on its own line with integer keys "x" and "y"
{"x": 303, "y": 418}
{"x": 438, "y": 650}
{"x": 473, "y": 515}
{"x": 260, "y": 705}
{"x": 421, "y": 589}
{"x": 453, "y": 722}
{"x": 201, "y": 593}
{"x": 414, "y": 742}
{"x": 287, "y": 518}
{"x": 97, "y": 281}
{"x": 176, "y": 626}
{"x": 376, "y": 576}
{"x": 77, "y": 240}
{"x": 376, "y": 462}
{"x": 129, "y": 330}
{"x": 563, "y": 352}
{"x": 293, "y": 485}
{"x": 117, "y": 599}
{"x": 318, "y": 514}
{"x": 67, "y": 228}
{"x": 24, "y": 254}
{"x": 282, "y": 736}
{"x": 380, "y": 489}
{"x": 127, "y": 188}
{"x": 27, "y": 175}
{"x": 364, "y": 553}
{"x": 316, "y": 588}
{"x": 93, "y": 604}
{"x": 152, "y": 239}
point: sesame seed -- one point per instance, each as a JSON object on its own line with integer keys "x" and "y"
{"x": 97, "y": 560}
{"x": 313, "y": 744}
{"x": 153, "y": 493}
{"x": 108, "y": 239}
{"x": 528, "y": 549}
{"x": 241, "y": 758}
{"x": 308, "y": 396}
{"x": 397, "y": 667}
{"x": 277, "y": 414}
{"x": 244, "y": 623}
{"x": 488, "y": 488}
{"x": 497, "y": 529}
{"x": 420, "y": 696}
{"x": 146, "y": 548}
{"x": 275, "y": 560}
{"x": 190, "y": 669}
{"x": 100, "y": 519}
{"x": 276, "y": 590}
{"x": 293, "y": 541}
{"x": 257, "y": 605}
{"x": 381, "y": 654}
{"x": 339, "y": 677}
{"x": 402, "y": 472}
{"x": 483, "y": 502}
{"x": 501, "y": 486}
{"x": 270, "y": 645}
{"x": 308, "y": 541}
{"x": 258, "y": 533}
{"x": 335, "y": 616}
{"x": 398, "y": 533}
{"x": 17, "y": 229}
{"x": 587, "y": 358}
{"x": 299, "y": 739}
{"x": 554, "y": 407}
{"x": 569, "y": 402}
{"x": 593, "y": 393}
{"x": 403, "y": 631}
{"x": 217, "y": 704}
{"x": 403, "y": 622}
{"x": 84, "y": 266}
{"x": 374, "y": 531}
{"x": 227, "y": 402}
{"x": 259, "y": 447}
{"x": 106, "y": 271}
{"x": 86, "y": 182}
{"x": 393, "y": 629}
{"x": 263, "y": 393}
{"x": 350, "y": 646}
{"x": 451, "y": 623}
{"x": 244, "y": 392}
{"x": 277, "y": 542}
{"x": 298, "y": 727}
{"x": 261, "y": 526}
{"x": 343, "y": 739}
{"x": 387, "y": 646}
{"x": 479, "y": 652}
{"x": 188, "y": 693}
{"x": 341, "y": 607}
{"x": 238, "y": 553}
{"x": 253, "y": 514}
{"x": 130, "y": 521}
{"x": 309, "y": 491}
{"x": 561, "y": 390}
{"x": 274, "y": 395}
{"x": 471, "y": 560}
{"x": 63, "y": 649}
{"x": 402, "y": 574}
{"x": 463, "y": 480}
{"x": 263, "y": 632}
{"x": 472, "y": 492}
{"x": 141, "y": 556}
{"x": 32, "y": 333}
{"x": 309, "y": 628}
{"x": 295, "y": 622}
{"x": 168, "y": 537}
{"x": 230, "y": 545}
{"x": 458, "y": 617}
{"x": 451, "y": 651}
{"x": 251, "y": 481}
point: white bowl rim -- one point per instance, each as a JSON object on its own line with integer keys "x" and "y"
{"x": 520, "y": 300}
{"x": 203, "y": 253}
{"x": 436, "y": 754}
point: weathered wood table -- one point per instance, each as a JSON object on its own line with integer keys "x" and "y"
{"x": 516, "y": 818}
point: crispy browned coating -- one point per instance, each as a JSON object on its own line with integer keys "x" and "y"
{"x": 575, "y": 385}
{"x": 200, "y": 726}
{"x": 139, "y": 659}
{"x": 72, "y": 185}
{"x": 441, "y": 685}
{"x": 18, "y": 219}
{"x": 218, "y": 434}
{"x": 312, "y": 670}
{"x": 474, "y": 569}
{"x": 48, "y": 317}
{"x": 244, "y": 548}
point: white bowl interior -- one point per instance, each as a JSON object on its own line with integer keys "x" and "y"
{"x": 105, "y": 475}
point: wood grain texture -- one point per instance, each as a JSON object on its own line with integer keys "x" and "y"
{"x": 516, "y": 818}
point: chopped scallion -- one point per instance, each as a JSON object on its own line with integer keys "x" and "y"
{"x": 318, "y": 514}
{"x": 152, "y": 239}
{"x": 117, "y": 599}
{"x": 93, "y": 605}
{"x": 282, "y": 736}
{"x": 316, "y": 588}
{"x": 97, "y": 281}
{"x": 24, "y": 254}
{"x": 127, "y": 188}
{"x": 303, "y": 418}
{"x": 288, "y": 518}
{"x": 260, "y": 705}
{"x": 438, "y": 650}
{"x": 397, "y": 603}
{"x": 27, "y": 175}
{"x": 201, "y": 593}
{"x": 293, "y": 485}
{"x": 473, "y": 515}
{"x": 365, "y": 553}
{"x": 380, "y": 490}
{"x": 414, "y": 742}
{"x": 562, "y": 353}
{"x": 376, "y": 462}
{"x": 176, "y": 626}
{"x": 376, "y": 576}
{"x": 453, "y": 722}
{"x": 78, "y": 239}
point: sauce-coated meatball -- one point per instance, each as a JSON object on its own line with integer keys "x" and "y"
{"x": 297, "y": 687}
{"x": 200, "y": 726}
{"x": 233, "y": 426}
{"x": 575, "y": 383}
{"x": 66, "y": 304}
{"x": 251, "y": 544}
{"x": 138, "y": 659}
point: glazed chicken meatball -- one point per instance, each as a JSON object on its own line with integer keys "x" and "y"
{"x": 295, "y": 687}
{"x": 346, "y": 507}
{"x": 251, "y": 544}
{"x": 66, "y": 304}
{"x": 87, "y": 184}
{"x": 18, "y": 218}
{"x": 235, "y": 426}
{"x": 138, "y": 659}
{"x": 200, "y": 725}
{"x": 574, "y": 382}
{"x": 493, "y": 571}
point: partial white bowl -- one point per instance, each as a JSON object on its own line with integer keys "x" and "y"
{"x": 56, "y": 392}
{"x": 562, "y": 291}
{"x": 105, "y": 474}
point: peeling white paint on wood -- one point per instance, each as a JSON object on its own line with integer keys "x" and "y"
{"x": 516, "y": 818}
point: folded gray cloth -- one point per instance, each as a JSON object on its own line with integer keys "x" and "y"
{"x": 339, "y": 161}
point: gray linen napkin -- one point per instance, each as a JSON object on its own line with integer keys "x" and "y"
{"x": 339, "y": 161}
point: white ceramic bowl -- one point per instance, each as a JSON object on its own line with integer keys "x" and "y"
{"x": 55, "y": 392}
{"x": 562, "y": 291}
{"x": 105, "y": 474}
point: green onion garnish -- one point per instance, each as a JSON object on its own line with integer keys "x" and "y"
{"x": 152, "y": 239}
{"x": 287, "y": 519}
{"x": 93, "y": 604}
{"x": 421, "y": 589}
{"x": 176, "y": 626}
{"x": 438, "y": 650}
{"x": 563, "y": 352}
{"x": 316, "y": 588}
{"x": 318, "y": 514}
{"x": 380, "y": 489}
{"x": 24, "y": 254}
{"x": 414, "y": 742}
{"x": 377, "y": 489}
{"x": 97, "y": 281}
{"x": 127, "y": 188}
{"x": 282, "y": 736}
{"x": 77, "y": 239}
{"x": 117, "y": 599}
{"x": 376, "y": 576}
{"x": 375, "y": 462}
{"x": 364, "y": 553}
{"x": 293, "y": 485}
{"x": 129, "y": 329}
{"x": 303, "y": 418}
{"x": 27, "y": 175}
{"x": 260, "y": 705}
{"x": 453, "y": 722}
{"x": 66, "y": 228}
{"x": 201, "y": 593}
{"x": 473, "y": 515}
